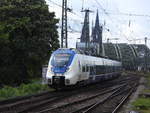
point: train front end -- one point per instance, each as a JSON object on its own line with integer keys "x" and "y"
{"x": 58, "y": 68}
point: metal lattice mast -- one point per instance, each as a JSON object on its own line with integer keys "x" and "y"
{"x": 64, "y": 36}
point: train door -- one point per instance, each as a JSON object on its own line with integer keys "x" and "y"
{"x": 84, "y": 74}
{"x": 94, "y": 71}
{"x": 91, "y": 71}
{"x": 105, "y": 69}
{"x": 80, "y": 68}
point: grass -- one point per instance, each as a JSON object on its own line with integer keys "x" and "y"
{"x": 24, "y": 89}
{"x": 146, "y": 91}
{"x": 142, "y": 104}
{"x": 144, "y": 111}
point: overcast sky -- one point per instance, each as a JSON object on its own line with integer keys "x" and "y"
{"x": 129, "y": 29}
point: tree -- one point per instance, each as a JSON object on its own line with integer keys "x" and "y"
{"x": 28, "y": 35}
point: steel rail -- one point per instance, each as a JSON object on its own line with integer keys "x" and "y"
{"x": 88, "y": 107}
{"x": 113, "y": 94}
{"x": 85, "y": 99}
{"x": 15, "y": 99}
{"x": 15, "y": 102}
{"x": 45, "y": 102}
{"x": 124, "y": 99}
{"x": 89, "y": 110}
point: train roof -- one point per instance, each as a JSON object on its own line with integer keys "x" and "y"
{"x": 69, "y": 50}
{"x": 78, "y": 51}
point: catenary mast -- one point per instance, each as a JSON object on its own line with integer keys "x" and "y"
{"x": 64, "y": 35}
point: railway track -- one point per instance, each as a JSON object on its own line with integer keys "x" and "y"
{"x": 12, "y": 104}
{"x": 95, "y": 103}
{"x": 71, "y": 107}
{"x": 110, "y": 104}
{"x": 69, "y": 101}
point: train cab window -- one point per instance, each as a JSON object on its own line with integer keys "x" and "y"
{"x": 60, "y": 60}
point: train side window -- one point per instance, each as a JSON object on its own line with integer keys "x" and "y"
{"x": 87, "y": 68}
{"x": 104, "y": 68}
{"x": 91, "y": 70}
{"x": 110, "y": 68}
{"x": 83, "y": 69}
{"x": 115, "y": 68}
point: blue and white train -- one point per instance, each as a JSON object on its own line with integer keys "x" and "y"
{"x": 69, "y": 67}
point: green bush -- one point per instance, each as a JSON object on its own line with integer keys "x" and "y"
{"x": 32, "y": 88}
{"x": 22, "y": 90}
{"x": 7, "y": 92}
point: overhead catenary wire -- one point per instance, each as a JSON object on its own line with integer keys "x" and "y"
{"x": 112, "y": 17}
{"x": 118, "y": 13}
{"x": 129, "y": 14}
{"x": 71, "y": 11}
{"x": 71, "y": 19}
{"x": 132, "y": 35}
{"x": 107, "y": 14}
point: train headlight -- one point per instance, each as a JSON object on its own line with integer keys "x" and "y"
{"x": 67, "y": 81}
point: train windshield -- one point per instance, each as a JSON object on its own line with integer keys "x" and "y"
{"x": 61, "y": 59}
